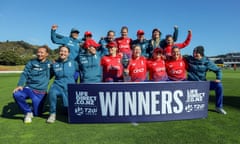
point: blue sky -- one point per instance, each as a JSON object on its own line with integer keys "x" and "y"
{"x": 215, "y": 24}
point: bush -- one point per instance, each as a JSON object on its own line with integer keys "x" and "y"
{"x": 12, "y": 58}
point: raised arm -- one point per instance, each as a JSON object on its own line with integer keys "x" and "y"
{"x": 175, "y": 33}
{"x": 57, "y": 38}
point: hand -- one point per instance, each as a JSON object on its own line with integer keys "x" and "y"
{"x": 163, "y": 57}
{"x": 217, "y": 81}
{"x": 54, "y": 27}
{"x": 126, "y": 71}
{"x": 189, "y": 31}
{"x": 17, "y": 89}
{"x": 175, "y": 27}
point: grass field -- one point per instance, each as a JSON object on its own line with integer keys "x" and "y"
{"x": 215, "y": 129}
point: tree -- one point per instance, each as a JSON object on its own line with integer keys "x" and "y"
{"x": 10, "y": 58}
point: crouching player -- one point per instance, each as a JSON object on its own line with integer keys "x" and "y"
{"x": 198, "y": 65}
{"x": 63, "y": 70}
{"x": 33, "y": 84}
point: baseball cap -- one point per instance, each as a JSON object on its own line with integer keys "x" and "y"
{"x": 89, "y": 43}
{"x": 88, "y": 33}
{"x": 140, "y": 32}
{"x": 111, "y": 44}
{"x": 74, "y": 30}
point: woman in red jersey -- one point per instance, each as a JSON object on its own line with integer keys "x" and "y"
{"x": 124, "y": 42}
{"x": 176, "y": 66}
{"x": 111, "y": 64}
{"x": 156, "y": 66}
{"x": 167, "y": 49}
{"x": 137, "y": 67}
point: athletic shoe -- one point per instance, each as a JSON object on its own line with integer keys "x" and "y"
{"x": 28, "y": 118}
{"x": 221, "y": 110}
{"x": 51, "y": 118}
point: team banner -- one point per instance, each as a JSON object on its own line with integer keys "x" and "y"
{"x": 137, "y": 102}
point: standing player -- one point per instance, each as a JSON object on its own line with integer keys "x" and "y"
{"x": 156, "y": 40}
{"x": 167, "y": 49}
{"x": 89, "y": 62}
{"x": 124, "y": 42}
{"x": 142, "y": 42}
{"x": 33, "y": 84}
{"x": 156, "y": 66}
{"x": 72, "y": 42}
{"x": 137, "y": 67}
{"x": 176, "y": 66}
{"x": 105, "y": 40}
{"x": 111, "y": 64}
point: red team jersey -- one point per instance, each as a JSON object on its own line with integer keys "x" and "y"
{"x": 124, "y": 45}
{"x": 176, "y": 69}
{"x": 112, "y": 68}
{"x": 157, "y": 70}
{"x": 168, "y": 48}
{"x": 138, "y": 69}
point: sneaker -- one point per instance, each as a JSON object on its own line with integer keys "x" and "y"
{"x": 28, "y": 118}
{"x": 51, "y": 118}
{"x": 221, "y": 110}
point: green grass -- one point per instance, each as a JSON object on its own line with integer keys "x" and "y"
{"x": 215, "y": 129}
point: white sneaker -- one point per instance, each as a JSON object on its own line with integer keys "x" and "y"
{"x": 221, "y": 110}
{"x": 51, "y": 118}
{"x": 28, "y": 118}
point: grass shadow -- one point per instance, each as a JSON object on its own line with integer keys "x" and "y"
{"x": 11, "y": 110}
{"x": 233, "y": 101}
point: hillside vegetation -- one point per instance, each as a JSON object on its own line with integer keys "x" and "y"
{"x": 18, "y": 52}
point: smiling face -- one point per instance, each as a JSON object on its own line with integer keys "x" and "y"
{"x": 157, "y": 55}
{"x": 112, "y": 50}
{"x": 176, "y": 53}
{"x": 137, "y": 51}
{"x": 92, "y": 50}
{"x": 63, "y": 53}
{"x": 110, "y": 35}
{"x": 42, "y": 54}
{"x": 197, "y": 55}
{"x": 169, "y": 40}
{"x": 140, "y": 37}
{"x": 74, "y": 35}
{"x": 124, "y": 32}
{"x": 156, "y": 35}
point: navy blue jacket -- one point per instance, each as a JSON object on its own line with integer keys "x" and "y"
{"x": 197, "y": 69}
{"x": 36, "y": 75}
{"x": 71, "y": 43}
{"x": 64, "y": 72}
{"x": 89, "y": 66}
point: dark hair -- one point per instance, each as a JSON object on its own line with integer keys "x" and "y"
{"x": 124, "y": 27}
{"x": 174, "y": 46}
{"x": 167, "y": 36}
{"x": 110, "y": 32}
{"x": 199, "y": 49}
{"x": 45, "y": 47}
{"x": 156, "y": 29}
{"x": 135, "y": 45}
{"x": 62, "y": 47}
